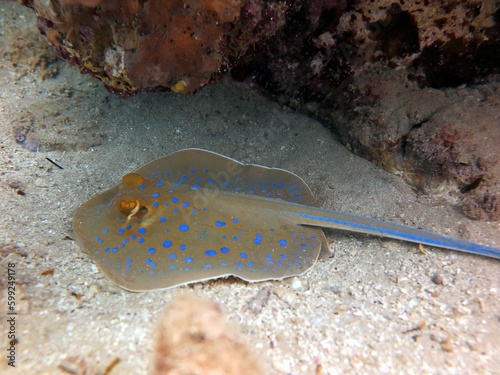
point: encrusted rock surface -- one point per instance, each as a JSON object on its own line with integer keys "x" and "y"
{"x": 195, "y": 338}
{"x": 136, "y": 45}
{"x": 442, "y": 141}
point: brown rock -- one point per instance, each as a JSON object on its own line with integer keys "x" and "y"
{"x": 195, "y": 338}
{"x": 134, "y": 45}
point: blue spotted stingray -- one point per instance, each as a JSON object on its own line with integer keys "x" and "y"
{"x": 195, "y": 215}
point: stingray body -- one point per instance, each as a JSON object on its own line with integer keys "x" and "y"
{"x": 196, "y": 215}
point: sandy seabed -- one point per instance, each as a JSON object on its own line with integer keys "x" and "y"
{"x": 378, "y": 306}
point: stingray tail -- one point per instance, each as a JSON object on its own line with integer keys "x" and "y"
{"x": 338, "y": 220}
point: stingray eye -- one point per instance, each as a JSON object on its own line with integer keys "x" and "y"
{"x": 133, "y": 209}
{"x": 127, "y": 207}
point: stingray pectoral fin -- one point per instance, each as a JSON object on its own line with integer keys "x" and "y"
{"x": 338, "y": 220}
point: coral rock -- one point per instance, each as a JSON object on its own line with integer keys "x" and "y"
{"x": 134, "y": 45}
{"x": 194, "y": 338}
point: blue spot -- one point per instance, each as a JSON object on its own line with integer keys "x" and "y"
{"x": 171, "y": 268}
{"x": 243, "y": 256}
{"x": 175, "y": 200}
{"x": 106, "y": 250}
{"x": 294, "y": 235}
{"x": 193, "y": 212}
{"x": 160, "y": 184}
{"x": 128, "y": 261}
{"x": 271, "y": 229}
{"x": 133, "y": 237}
{"x": 162, "y": 220}
{"x": 171, "y": 191}
{"x": 283, "y": 257}
{"x": 258, "y": 239}
{"x": 140, "y": 240}
{"x": 250, "y": 264}
{"x": 224, "y": 250}
{"x": 239, "y": 265}
{"x": 128, "y": 268}
{"x": 303, "y": 245}
{"x": 223, "y": 264}
{"x": 142, "y": 187}
{"x": 235, "y": 221}
{"x": 120, "y": 231}
{"x": 298, "y": 197}
{"x": 151, "y": 251}
{"x": 172, "y": 256}
{"x": 183, "y": 228}
{"x": 105, "y": 231}
{"x": 192, "y": 171}
{"x": 237, "y": 189}
{"x": 152, "y": 265}
{"x": 185, "y": 205}
{"x": 313, "y": 237}
{"x": 208, "y": 265}
{"x": 188, "y": 260}
{"x": 278, "y": 264}
{"x": 235, "y": 238}
{"x": 175, "y": 186}
{"x": 155, "y": 205}
{"x": 166, "y": 204}
{"x": 205, "y": 170}
{"x": 176, "y": 210}
{"x": 167, "y": 244}
{"x": 182, "y": 247}
{"x": 141, "y": 231}
{"x": 122, "y": 246}
{"x": 283, "y": 243}
{"x": 155, "y": 195}
{"x": 220, "y": 224}
{"x": 147, "y": 261}
{"x": 118, "y": 266}
{"x": 209, "y": 181}
{"x": 128, "y": 227}
{"x": 114, "y": 250}
{"x": 195, "y": 187}
{"x": 197, "y": 179}
{"x": 210, "y": 253}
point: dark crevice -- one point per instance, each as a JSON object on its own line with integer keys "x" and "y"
{"x": 473, "y": 185}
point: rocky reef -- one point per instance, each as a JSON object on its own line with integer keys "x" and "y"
{"x": 412, "y": 86}
{"x": 138, "y": 45}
